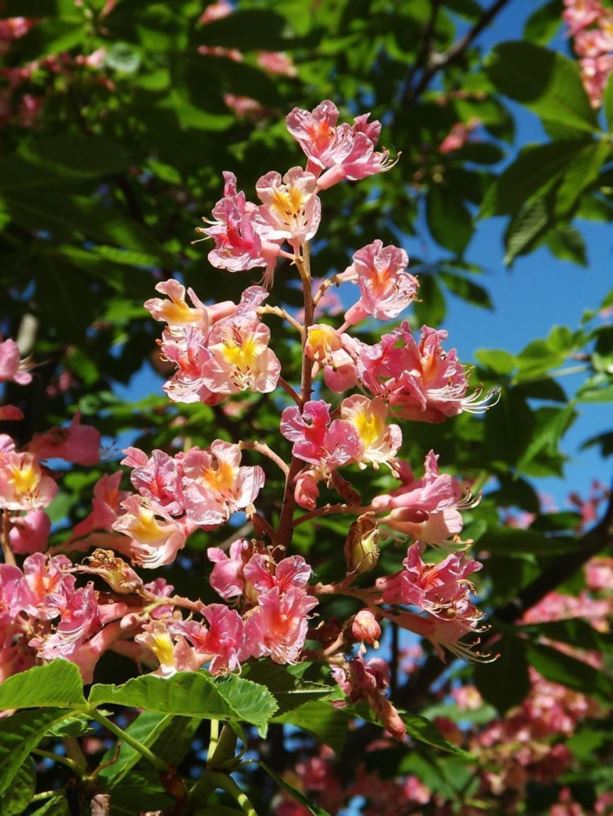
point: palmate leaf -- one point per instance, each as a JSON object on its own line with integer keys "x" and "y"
{"x": 192, "y": 694}
{"x": 168, "y": 736}
{"x": 544, "y": 81}
{"x": 16, "y": 799}
{"x": 289, "y": 691}
{"x": 19, "y": 735}
{"x": 55, "y": 685}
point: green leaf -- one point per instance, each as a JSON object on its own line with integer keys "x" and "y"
{"x": 449, "y": 219}
{"x": 567, "y": 244}
{"x": 505, "y": 682}
{"x": 508, "y": 428}
{"x": 57, "y": 684}
{"x": 544, "y": 23}
{"x": 551, "y": 424}
{"x": 582, "y": 171}
{"x": 575, "y": 631}
{"x": 192, "y": 694}
{"x": 608, "y": 102}
{"x": 246, "y": 29}
{"x": 328, "y": 723}
{"x": 533, "y": 171}
{"x": 544, "y": 81}
{"x": 168, "y": 736}
{"x": 75, "y": 156}
{"x": 313, "y": 809}
{"x": 498, "y": 360}
{"x": 431, "y": 308}
{"x": 289, "y": 691}
{"x": 15, "y": 801}
{"x": 525, "y": 228}
{"x": 421, "y": 729}
{"x": 561, "y": 668}
{"x": 509, "y": 541}
{"x": 466, "y": 290}
{"x": 140, "y": 791}
{"x": 55, "y": 806}
{"x": 19, "y": 735}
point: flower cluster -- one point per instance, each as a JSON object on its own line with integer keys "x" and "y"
{"x": 219, "y": 351}
{"x": 590, "y": 25}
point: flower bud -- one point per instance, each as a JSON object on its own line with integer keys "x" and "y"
{"x": 365, "y": 628}
{"x": 362, "y": 544}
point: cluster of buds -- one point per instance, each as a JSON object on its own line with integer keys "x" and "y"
{"x": 218, "y": 351}
{"x": 590, "y": 25}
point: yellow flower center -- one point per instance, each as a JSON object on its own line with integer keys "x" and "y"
{"x": 288, "y": 201}
{"x": 369, "y": 427}
{"x": 162, "y": 647}
{"x": 241, "y": 354}
{"x": 25, "y": 479}
{"x": 146, "y": 527}
{"x": 221, "y": 478}
{"x": 178, "y": 312}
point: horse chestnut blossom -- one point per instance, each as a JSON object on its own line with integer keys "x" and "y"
{"x": 386, "y": 288}
{"x": 419, "y": 380}
{"x": 343, "y": 151}
{"x": 12, "y": 367}
{"x": 338, "y": 422}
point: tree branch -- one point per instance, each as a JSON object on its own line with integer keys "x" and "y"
{"x": 439, "y": 61}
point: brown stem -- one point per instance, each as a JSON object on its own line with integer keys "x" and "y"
{"x": 289, "y": 390}
{"x": 439, "y": 61}
{"x": 9, "y": 558}
{"x": 303, "y": 264}
{"x": 329, "y": 509}
{"x": 263, "y": 448}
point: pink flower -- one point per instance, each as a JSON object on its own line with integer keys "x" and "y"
{"x": 106, "y": 505}
{"x": 227, "y": 578}
{"x": 215, "y": 485}
{"x": 240, "y": 358}
{"x": 238, "y": 244}
{"x": 440, "y": 589}
{"x": 291, "y": 209}
{"x": 595, "y": 72}
{"x": 216, "y": 11}
{"x": 221, "y": 642}
{"x": 24, "y": 484}
{"x": 425, "y": 508}
{"x": 30, "y": 533}
{"x": 316, "y": 439}
{"x": 580, "y": 14}
{"x": 12, "y": 368}
{"x": 326, "y": 346}
{"x": 420, "y": 381}
{"x": 278, "y": 626}
{"x": 457, "y": 136}
{"x": 157, "y": 478}
{"x": 78, "y": 620}
{"x": 10, "y": 413}
{"x": 77, "y": 443}
{"x": 276, "y": 62}
{"x": 386, "y": 288}
{"x": 264, "y": 574}
{"x": 174, "y": 309}
{"x": 188, "y": 351}
{"x": 171, "y": 650}
{"x": 344, "y": 151}
{"x": 154, "y": 537}
{"x": 379, "y": 441}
